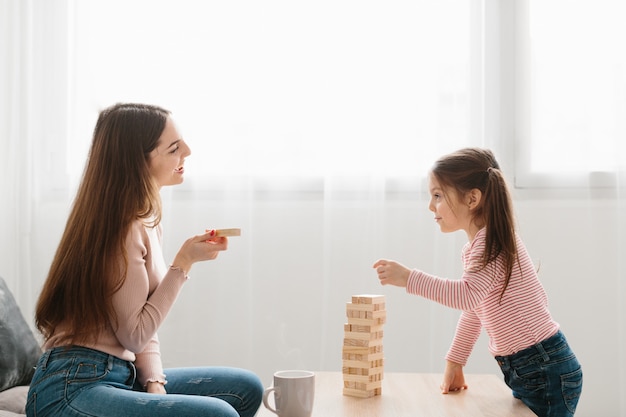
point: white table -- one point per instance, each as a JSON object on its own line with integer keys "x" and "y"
{"x": 415, "y": 395}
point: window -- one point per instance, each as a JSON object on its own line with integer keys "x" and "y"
{"x": 572, "y": 101}
{"x": 331, "y": 87}
{"x": 344, "y": 87}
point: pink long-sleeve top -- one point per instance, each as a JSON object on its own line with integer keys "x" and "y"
{"x": 142, "y": 303}
{"x": 519, "y": 320}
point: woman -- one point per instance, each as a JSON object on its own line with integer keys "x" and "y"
{"x": 109, "y": 290}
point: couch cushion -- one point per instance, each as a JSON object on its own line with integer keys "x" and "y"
{"x": 19, "y": 350}
{"x": 13, "y": 400}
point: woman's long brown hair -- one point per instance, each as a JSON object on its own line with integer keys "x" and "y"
{"x": 475, "y": 168}
{"x": 116, "y": 189}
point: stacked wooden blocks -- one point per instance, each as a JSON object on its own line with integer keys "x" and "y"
{"x": 363, "y": 346}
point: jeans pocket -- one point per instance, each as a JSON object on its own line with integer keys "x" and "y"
{"x": 87, "y": 371}
{"x": 571, "y": 386}
{"x": 83, "y": 373}
{"x": 531, "y": 383}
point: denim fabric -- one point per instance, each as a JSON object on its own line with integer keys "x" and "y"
{"x": 546, "y": 377}
{"x": 79, "y": 382}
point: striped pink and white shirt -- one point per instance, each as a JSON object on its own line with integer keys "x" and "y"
{"x": 519, "y": 320}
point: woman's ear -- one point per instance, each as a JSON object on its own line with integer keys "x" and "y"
{"x": 473, "y": 198}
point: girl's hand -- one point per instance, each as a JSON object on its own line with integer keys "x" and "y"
{"x": 199, "y": 248}
{"x": 453, "y": 378}
{"x": 391, "y": 272}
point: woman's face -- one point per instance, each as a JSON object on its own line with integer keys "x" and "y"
{"x": 167, "y": 160}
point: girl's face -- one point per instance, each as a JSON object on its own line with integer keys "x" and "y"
{"x": 167, "y": 160}
{"x": 450, "y": 213}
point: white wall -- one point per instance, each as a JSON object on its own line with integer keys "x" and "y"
{"x": 276, "y": 299}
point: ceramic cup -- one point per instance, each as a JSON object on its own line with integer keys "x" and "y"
{"x": 293, "y": 394}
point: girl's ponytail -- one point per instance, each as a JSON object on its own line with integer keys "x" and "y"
{"x": 499, "y": 223}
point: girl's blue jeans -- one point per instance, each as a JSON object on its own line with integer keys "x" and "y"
{"x": 79, "y": 382}
{"x": 546, "y": 377}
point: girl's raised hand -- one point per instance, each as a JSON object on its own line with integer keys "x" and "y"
{"x": 392, "y": 272}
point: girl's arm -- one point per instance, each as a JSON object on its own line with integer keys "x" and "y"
{"x": 463, "y": 294}
{"x": 467, "y": 332}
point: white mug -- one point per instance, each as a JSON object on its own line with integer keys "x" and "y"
{"x": 293, "y": 394}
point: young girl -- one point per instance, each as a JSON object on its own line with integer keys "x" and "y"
{"x": 109, "y": 290}
{"x": 498, "y": 291}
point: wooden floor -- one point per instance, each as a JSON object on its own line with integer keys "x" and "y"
{"x": 415, "y": 395}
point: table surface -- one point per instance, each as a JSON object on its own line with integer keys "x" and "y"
{"x": 415, "y": 395}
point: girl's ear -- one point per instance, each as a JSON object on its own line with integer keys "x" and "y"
{"x": 473, "y": 198}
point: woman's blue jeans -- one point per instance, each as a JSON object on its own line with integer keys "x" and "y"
{"x": 79, "y": 382}
{"x": 546, "y": 377}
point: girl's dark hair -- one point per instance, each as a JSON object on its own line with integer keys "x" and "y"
{"x": 116, "y": 189}
{"x": 476, "y": 168}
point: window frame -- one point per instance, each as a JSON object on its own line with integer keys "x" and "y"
{"x": 517, "y": 69}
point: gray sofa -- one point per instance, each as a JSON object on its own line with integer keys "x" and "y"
{"x": 19, "y": 352}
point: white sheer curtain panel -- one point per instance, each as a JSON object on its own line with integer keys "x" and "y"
{"x": 312, "y": 127}
{"x": 15, "y": 141}
{"x": 34, "y": 111}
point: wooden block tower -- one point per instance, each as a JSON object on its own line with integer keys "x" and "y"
{"x": 363, "y": 346}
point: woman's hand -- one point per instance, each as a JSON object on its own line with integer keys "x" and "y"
{"x": 199, "y": 248}
{"x": 453, "y": 378}
{"x": 155, "y": 388}
{"x": 391, "y": 272}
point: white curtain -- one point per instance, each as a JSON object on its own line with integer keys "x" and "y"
{"x": 16, "y": 141}
{"x": 312, "y": 126}
{"x": 33, "y": 133}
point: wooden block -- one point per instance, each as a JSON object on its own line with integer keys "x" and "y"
{"x": 351, "y": 392}
{"x": 367, "y": 372}
{"x": 367, "y": 322}
{"x": 359, "y": 328}
{"x": 363, "y": 336}
{"x": 365, "y": 357}
{"x": 365, "y": 307}
{"x": 362, "y": 386}
{"x": 227, "y": 232}
{"x": 378, "y": 363}
{"x": 362, "y": 350}
{"x": 362, "y": 343}
{"x": 368, "y": 299}
{"x": 359, "y": 314}
{"x": 362, "y": 379}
